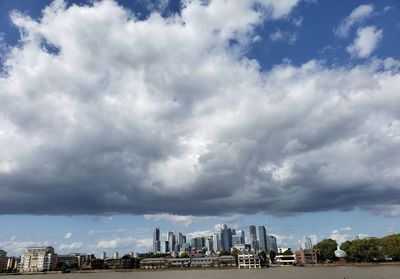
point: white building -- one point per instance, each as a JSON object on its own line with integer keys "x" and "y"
{"x": 285, "y": 259}
{"x": 248, "y": 260}
{"x": 38, "y": 259}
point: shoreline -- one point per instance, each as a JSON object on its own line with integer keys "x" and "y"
{"x": 360, "y": 265}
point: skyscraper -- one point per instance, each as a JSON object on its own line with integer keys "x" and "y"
{"x": 253, "y": 237}
{"x": 156, "y": 241}
{"x": 171, "y": 241}
{"x": 238, "y": 238}
{"x": 226, "y": 238}
{"x": 308, "y": 243}
{"x": 217, "y": 241}
{"x": 271, "y": 243}
{"x": 262, "y": 234}
{"x": 164, "y": 247}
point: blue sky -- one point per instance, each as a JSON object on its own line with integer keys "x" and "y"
{"x": 119, "y": 116}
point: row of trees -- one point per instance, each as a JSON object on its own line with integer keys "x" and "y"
{"x": 370, "y": 249}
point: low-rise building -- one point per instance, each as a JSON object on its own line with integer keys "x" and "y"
{"x": 12, "y": 264}
{"x": 178, "y": 262}
{"x": 91, "y": 264}
{"x": 38, "y": 259}
{"x": 113, "y": 263}
{"x": 203, "y": 262}
{"x": 128, "y": 262}
{"x": 67, "y": 262}
{"x": 248, "y": 259}
{"x": 225, "y": 261}
{"x": 307, "y": 256}
{"x": 81, "y": 257}
{"x": 153, "y": 263}
{"x": 3, "y": 261}
{"x": 285, "y": 259}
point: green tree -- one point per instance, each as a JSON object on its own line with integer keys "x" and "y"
{"x": 288, "y": 252}
{"x": 223, "y": 253}
{"x": 327, "y": 249}
{"x": 346, "y": 246}
{"x": 366, "y": 250}
{"x": 272, "y": 255}
{"x": 184, "y": 255}
{"x": 235, "y": 252}
{"x": 391, "y": 246}
{"x": 264, "y": 259}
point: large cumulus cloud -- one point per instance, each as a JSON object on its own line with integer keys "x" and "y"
{"x": 103, "y": 113}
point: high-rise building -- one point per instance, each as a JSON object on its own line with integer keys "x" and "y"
{"x": 115, "y": 256}
{"x": 156, "y": 241}
{"x": 238, "y": 238}
{"x": 209, "y": 243}
{"x": 262, "y": 234}
{"x": 217, "y": 241}
{"x": 171, "y": 241}
{"x": 253, "y": 237}
{"x": 308, "y": 243}
{"x": 164, "y": 247}
{"x": 181, "y": 239}
{"x": 271, "y": 243}
{"x": 226, "y": 238}
{"x": 198, "y": 243}
{"x": 37, "y": 259}
{"x": 103, "y": 256}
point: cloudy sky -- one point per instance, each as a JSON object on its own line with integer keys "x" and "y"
{"x": 118, "y": 116}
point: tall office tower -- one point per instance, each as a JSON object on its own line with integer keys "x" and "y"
{"x": 156, "y": 241}
{"x": 242, "y": 237}
{"x": 115, "y": 256}
{"x": 171, "y": 241}
{"x": 217, "y": 241}
{"x": 226, "y": 238}
{"x": 253, "y": 237}
{"x": 262, "y": 234}
{"x": 237, "y": 237}
{"x": 103, "y": 256}
{"x": 235, "y": 240}
{"x": 308, "y": 243}
{"x": 209, "y": 243}
{"x": 271, "y": 243}
{"x": 198, "y": 243}
{"x": 164, "y": 247}
{"x": 178, "y": 238}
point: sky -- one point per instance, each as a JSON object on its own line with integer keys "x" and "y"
{"x": 120, "y": 116}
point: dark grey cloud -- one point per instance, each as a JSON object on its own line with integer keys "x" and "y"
{"x": 159, "y": 116}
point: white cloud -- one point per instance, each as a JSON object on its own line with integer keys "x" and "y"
{"x": 356, "y": 16}
{"x": 176, "y": 219}
{"x": 144, "y": 244}
{"x": 366, "y": 42}
{"x": 70, "y": 247}
{"x": 68, "y": 235}
{"x": 342, "y": 234}
{"x": 124, "y": 243}
{"x": 284, "y": 36}
{"x": 169, "y": 115}
{"x": 363, "y": 235}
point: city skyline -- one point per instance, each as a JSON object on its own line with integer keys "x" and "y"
{"x": 120, "y": 116}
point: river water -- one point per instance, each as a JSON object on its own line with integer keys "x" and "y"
{"x": 340, "y": 272}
